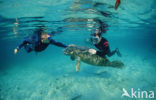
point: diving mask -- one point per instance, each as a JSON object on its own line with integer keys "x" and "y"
{"x": 95, "y": 39}
{"x": 45, "y": 38}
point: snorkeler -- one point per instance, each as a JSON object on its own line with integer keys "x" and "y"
{"x": 102, "y": 44}
{"x": 38, "y": 42}
{"x": 117, "y": 4}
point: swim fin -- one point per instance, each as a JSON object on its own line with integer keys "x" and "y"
{"x": 117, "y": 4}
{"x": 118, "y": 52}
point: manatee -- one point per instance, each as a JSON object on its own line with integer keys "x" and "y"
{"x": 82, "y": 54}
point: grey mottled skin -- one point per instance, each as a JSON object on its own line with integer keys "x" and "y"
{"x": 82, "y": 53}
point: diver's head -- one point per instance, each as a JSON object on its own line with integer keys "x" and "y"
{"x": 45, "y": 38}
{"x": 96, "y": 38}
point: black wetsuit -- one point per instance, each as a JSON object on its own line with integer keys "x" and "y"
{"x": 34, "y": 43}
{"x": 104, "y": 48}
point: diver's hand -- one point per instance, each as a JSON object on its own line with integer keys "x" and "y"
{"x": 15, "y": 51}
{"x": 92, "y": 51}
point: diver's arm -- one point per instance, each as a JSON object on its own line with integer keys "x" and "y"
{"x": 93, "y": 51}
{"x": 100, "y": 53}
{"x": 57, "y": 43}
{"x": 20, "y": 46}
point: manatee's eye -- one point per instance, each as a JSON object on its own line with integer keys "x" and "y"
{"x": 66, "y": 51}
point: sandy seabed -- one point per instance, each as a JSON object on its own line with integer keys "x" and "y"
{"x": 59, "y": 81}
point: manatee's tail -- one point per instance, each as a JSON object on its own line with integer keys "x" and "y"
{"x": 117, "y": 64}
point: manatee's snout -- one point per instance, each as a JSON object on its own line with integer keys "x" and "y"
{"x": 67, "y": 51}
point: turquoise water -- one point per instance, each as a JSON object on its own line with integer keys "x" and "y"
{"x": 51, "y": 75}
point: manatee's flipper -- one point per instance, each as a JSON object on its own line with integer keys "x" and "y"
{"x": 117, "y": 64}
{"x": 72, "y": 58}
{"x": 78, "y": 64}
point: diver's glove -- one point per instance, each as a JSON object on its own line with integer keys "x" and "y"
{"x": 16, "y": 50}
{"x": 92, "y": 51}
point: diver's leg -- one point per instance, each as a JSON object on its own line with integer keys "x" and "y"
{"x": 111, "y": 53}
